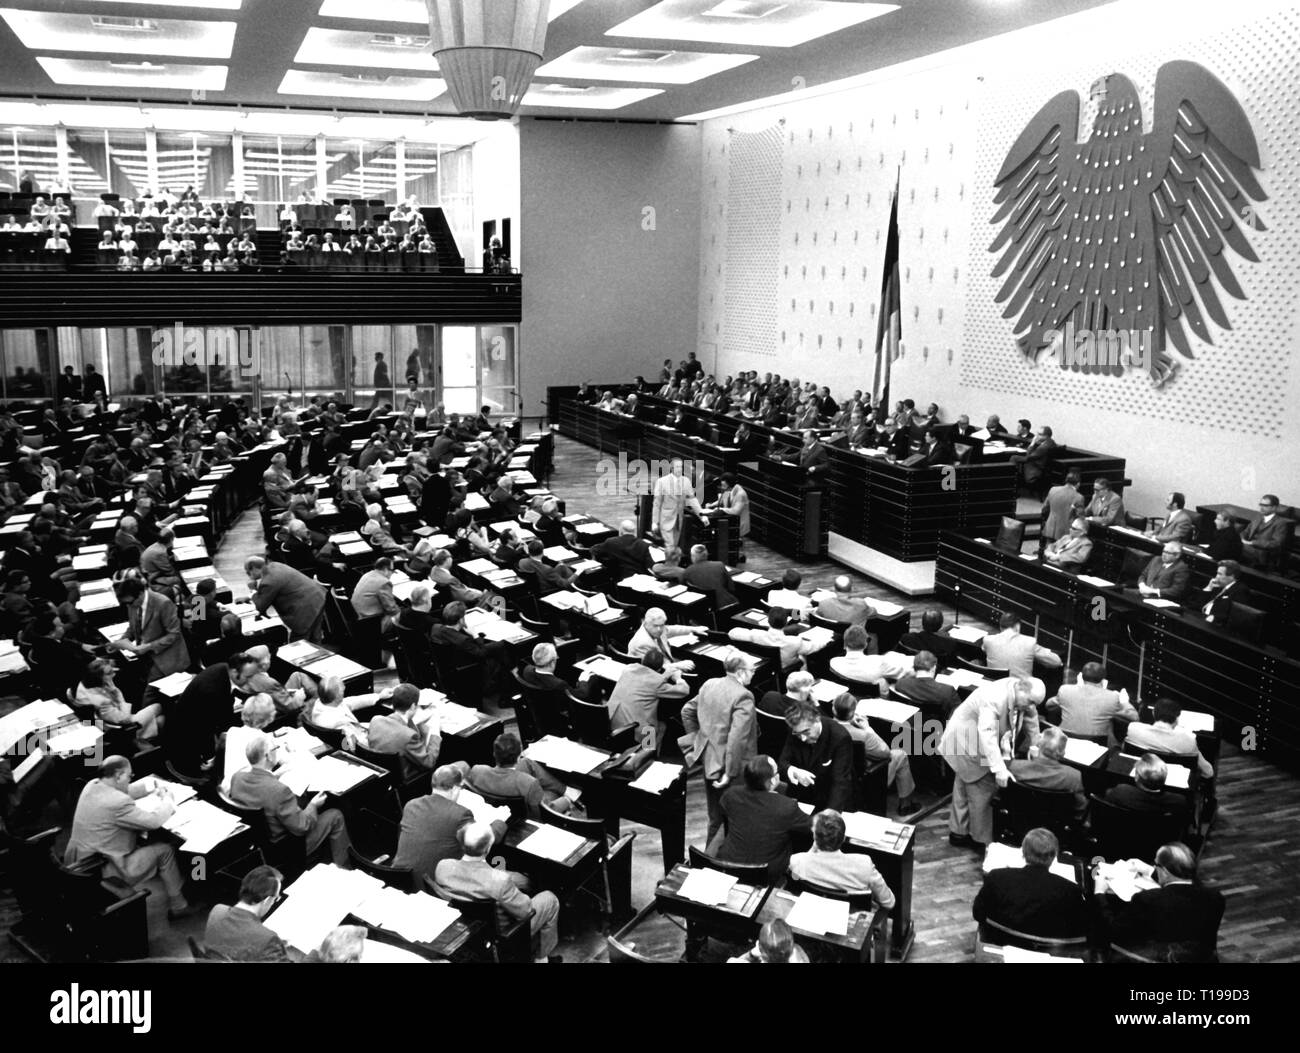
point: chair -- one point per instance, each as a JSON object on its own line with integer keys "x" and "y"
{"x": 1011, "y": 535}
{"x": 541, "y": 712}
{"x": 332, "y": 737}
{"x": 1135, "y": 522}
{"x": 513, "y": 944}
{"x": 749, "y": 873}
{"x": 405, "y": 789}
{"x": 592, "y": 726}
{"x": 992, "y": 932}
{"x": 401, "y": 878}
{"x": 1017, "y": 809}
{"x": 288, "y": 854}
{"x": 517, "y": 805}
{"x": 622, "y": 951}
{"x": 614, "y": 853}
{"x": 870, "y": 781}
{"x": 99, "y": 919}
{"x": 1121, "y": 833}
{"x": 1246, "y": 622}
{"x": 772, "y": 732}
{"x": 1134, "y": 563}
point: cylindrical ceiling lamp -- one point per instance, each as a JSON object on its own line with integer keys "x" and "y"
{"x": 488, "y": 51}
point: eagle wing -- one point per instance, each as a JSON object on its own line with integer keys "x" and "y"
{"x": 1202, "y": 191}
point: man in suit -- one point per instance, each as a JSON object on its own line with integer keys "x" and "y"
{"x": 635, "y": 698}
{"x": 1046, "y": 772}
{"x": 407, "y": 732}
{"x": 733, "y": 501}
{"x": 936, "y": 451}
{"x": 859, "y": 431}
{"x": 1011, "y": 650}
{"x": 721, "y": 732}
{"x": 299, "y": 601}
{"x": 1073, "y": 551}
{"x": 154, "y": 629}
{"x": 625, "y": 552}
{"x": 204, "y": 710}
{"x": 1147, "y": 793}
{"x": 816, "y": 761}
{"x": 673, "y": 494}
{"x": 1106, "y": 507}
{"x": 126, "y": 545}
{"x": 813, "y": 456}
{"x": 540, "y": 675}
{"x": 237, "y": 932}
{"x": 1031, "y": 899}
{"x": 986, "y": 730}
{"x": 857, "y": 665}
{"x": 1165, "y": 736}
{"x": 1033, "y": 462}
{"x": 656, "y": 632}
{"x": 709, "y": 576}
{"x": 373, "y": 595}
{"x": 1166, "y": 576}
{"x": 1088, "y": 707}
{"x": 760, "y": 825}
{"x": 874, "y": 748}
{"x": 431, "y": 825}
{"x": 157, "y": 566}
{"x": 452, "y": 635}
{"x": 920, "y": 686}
{"x": 933, "y": 637}
{"x": 850, "y": 872}
{"x": 1215, "y": 603}
{"x": 108, "y": 822}
{"x": 844, "y": 607}
{"x": 1179, "y": 526}
{"x": 258, "y": 787}
{"x": 473, "y": 877}
{"x": 1264, "y": 536}
{"x": 1177, "y": 922}
{"x": 513, "y": 775}
{"x": 780, "y": 633}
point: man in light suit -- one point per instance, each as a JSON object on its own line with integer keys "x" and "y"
{"x": 983, "y": 733}
{"x": 431, "y": 825}
{"x": 635, "y": 698}
{"x": 1106, "y": 507}
{"x": 721, "y": 732}
{"x": 1060, "y": 503}
{"x": 1179, "y": 526}
{"x": 407, "y": 733}
{"x": 1088, "y": 707}
{"x": 1009, "y": 649}
{"x": 843, "y": 607}
{"x": 155, "y": 629}
{"x": 297, "y": 599}
{"x": 733, "y": 501}
{"x": 709, "y": 576}
{"x": 473, "y": 877}
{"x": 673, "y": 494}
{"x": 1166, "y": 576}
{"x": 655, "y": 632}
{"x": 1046, "y": 772}
{"x": 108, "y": 822}
{"x": 373, "y": 595}
{"x": 1165, "y": 736}
{"x": 1264, "y": 536}
{"x": 156, "y": 563}
{"x": 1074, "y": 550}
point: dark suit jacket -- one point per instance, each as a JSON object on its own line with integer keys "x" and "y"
{"x": 830, "y": 759}
{"x": 940, "y": 644}
{"x": 1178, "y": 922}
{"x": 1131, "y": 796}
{"x": 1223, "y": 599}
{"x": 814, "y": 456}
{"x": 200, "y": 714}
{"x": 929, "y": 693}
{"x": 1268, "y": 537}
{"x": 762, "y": 827}
{"x": 1224, "y": 544}
{"x": 1172, "y": 581}
{"x": 626, "y": 551}
{"x": 711, "y": 576}
{"x": 429, "y": 828}
{"x": 240, "y": 934}
{"x": 1031, "y": 900}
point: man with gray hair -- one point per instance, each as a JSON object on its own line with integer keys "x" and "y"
{"x": 627, "y": 553}
{"x": 842, "y": 606}
{"x": 1147, "y": 793}
{"x": 1046, "y": 772}
{"x": 709, "y": 576}
{"x": 721, "y": 732}
{"x": 343, "y": 946}
{"x": 297, "y": 599}
{"x": 655, "y": 632}
{"x": 289, "y": 697}
{"x": 431, "y": 825}
{"x": 473, "y": 877}
{"x": 540, "y": 673}
{"x": 1073, "y": 550}
{"x": 1031, "y": 899}
{"x": 257, "y": 715}
{"x": 1166, "y": 576}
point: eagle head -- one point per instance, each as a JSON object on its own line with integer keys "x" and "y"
{"x": 1118, "y": 108}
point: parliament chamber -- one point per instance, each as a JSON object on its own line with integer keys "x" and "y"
{"x": 848, "y": 519}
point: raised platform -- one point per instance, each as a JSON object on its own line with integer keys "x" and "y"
{"x": 913, "y": 579}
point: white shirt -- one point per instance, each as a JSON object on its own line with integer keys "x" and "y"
{"x": 872, "y": 668}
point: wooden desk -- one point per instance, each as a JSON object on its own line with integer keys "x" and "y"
{"x": 891, "y": 847}
{"x": 854, "y": 946}
{"x": 563, "y": 877}
{"x": 737, "y": 919}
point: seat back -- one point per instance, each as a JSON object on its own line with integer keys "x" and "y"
{"x": 1011, "y": 535}
{"x": 1246, "y": 622}
{"x": 1071, "y": 947}
{"x": 750, "y": 873}
{"x": 1021, "y": 808}
{"x": 1121, "y": 833}
{"x": 772, "y": 732}
{"x": 332, "y": 737}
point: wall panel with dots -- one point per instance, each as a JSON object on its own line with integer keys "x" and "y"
{"x": 752, "y": 241}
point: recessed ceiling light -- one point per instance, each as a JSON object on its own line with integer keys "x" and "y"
{"x": 130, "y": 25}
{"x": 635, "y": 55}
{"x": 413, "y": 12}
{"x": 588, "y": 97}
{"x": 113, "y": 35}
{"x": 743, "y": 9}
{"x": 398, "y": 40}
{"x": 361, "y": 86}
{"x": 633, "y": 65}
{"x": 747, "y": 23}
{"x": 124, "y": 74}
{"x": 355, "y": 48}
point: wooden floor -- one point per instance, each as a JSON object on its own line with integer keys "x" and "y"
{"x": 1252, "y": 855}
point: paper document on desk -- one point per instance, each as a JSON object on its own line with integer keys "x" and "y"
{"x": 559, "y": 554}
{"x": 982, "y": 434}
{"x": 711, "y": 887}
{"x": 745, "y": 577}
{"x": 75, "y": 739}
{"x": 1081, "y": 751}
{"x": 657, "y": 554}
{"x": 888, "y": 709}
{"x": 1095, "y": 582}
{"x": 300, "y": 652}
{"x": 453, "y": 717}
{"x": 337, "y": 776}
{"x": 819, "y": 636}
{"x": 967, "y": 633}
{"x": 582, "y": 566}
{"x": 550, "y": 842}
{"x": 25, "y": 768}
{"x": 479, "y": 566}
{"x": 317, "y": 902}
{"x": 1122, "y": 880}
{"x": 827, "y": 691}
{"x": 603, "y": 666}
{"x": 202, "y": 825}
{"x": 335, "y": 665}
{"x": 12, "y": 662}
{"x": 1177, "y": 776}
{"x": 961, "y": 678}
{"x": 886, "y": 608}
{"x": 297, "y": 740}
{"x": 657, "y": 778}
{"x": 481, "y": 810}
{"x": 872, "y": 829}
{"x": 1020, "y": 956}
{"x": 1191, "y": 720}
{"x": 566, "y": 755}
{"x": 1156, "y": 601}
{"x": 1002, "y": 857}
{"x": 817, "y": 914}
{"x": 500, "y": 629}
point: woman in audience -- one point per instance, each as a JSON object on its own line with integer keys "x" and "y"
{"x": 98, "y": 688}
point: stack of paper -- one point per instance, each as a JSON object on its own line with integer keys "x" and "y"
{"x": 1084, "y": 752}
{"x": 550, "y": 842}
{"x": 336, "y": 776}
{"x": 1156, "y": 601}
{"x": 819, "y": 636}
{"x": 827, "y": 691}
{"x": 887, "y": 709}
{"x": 298, "y": 740}
{"x": 1191, "y": 720}
{"x": 707, "y": 886}
{"x": 453, "y": 717}
{"x": 1002, "y": 857}
{"x": 481, "y": 810}
{"x": 335, "y": 665}
{"x": 871, "y": 829}
{"x": 202, "y": 825}
{"x": 12, "y": 662}
{"x": 658, "y": 777}
{"x": 967, "y": 633}
{"x": 300, "y": 652}
{"x": 818, "y": 914}
{"x": 603, "y": 666}
{"x": 885, "y": 608}
{"x": 1123, "y": 880}
{"x": 1095, "y": 582}
{"x": 317, "y": 902}
{"x": 1013, "y": 955}
{"x": 479, "y": 566}
{"x": 566, "y": 755}
{"x": 75, "y": 739}
{"x": 416, "y": 917}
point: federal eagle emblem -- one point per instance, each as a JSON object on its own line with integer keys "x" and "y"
{"x": 1127, "y": 233}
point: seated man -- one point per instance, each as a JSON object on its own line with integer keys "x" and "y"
{"x": 541, "y": 673}
{"x": 288, "y": 697}
{"x": 933, "y": 637}
{"x": 760, "y": 825}
{"x": 1166, "y": 576}
{"x": 874, "y": 748}
{"x": 409, "y": 732}
{"x": 779, "y": 634}
{"x": 709, "y": 576}
{"x": 1011, "y": 650}
{"x": 1224, "y": 590}
{"x": 1264, "y": 536}
{"x": 635, "y": 698}
{"x": 1074, "y": 550}
{"x": 844, "y": 607}
{"x": 625, "y": 552}
{"x": 1106, "y": 507}
{"x": 856, "y": 665}
{"x": 550, "y": 577}
{"x": 514, "y": 775}
{"x": 1177, "y": 922}
{"x": 237, "y": 931}
{"x": 473, "y": 877}
{"x": 775, "y": 946}
{"x": 1164, "y": 736}
{"x": 108, "y": 822}
{"x": 1046, "y": 772}
{"x": 656, "y": 632}
{"x": 1088, "y": 707}
{"x": 921, "y": 687}
{"x": 1031, "y": 899}
{"x": 1147, "y": 793}
{"x": 372, "y": 597}
{"x": 826, "y": 864}
{"x": 432, "y": 825}
{"x": 1179, "y": 526}
{"x": 817, "y": 759}
{"x": 789, "y": 596}
{"x": 258, "y": 787}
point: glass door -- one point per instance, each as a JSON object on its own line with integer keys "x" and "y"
{"x": 477, "y": 367}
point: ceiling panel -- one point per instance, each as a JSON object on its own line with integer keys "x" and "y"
{"x": 747, "y": 23}
{"x": 641, "y": 65}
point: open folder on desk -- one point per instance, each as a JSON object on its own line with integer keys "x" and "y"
{"x": 1082, "y": 751}
{"x": 711, "y": 887}
{"x": 1001, "y": 857}
{"x": 657, "y": 777}
{"x": 550, "y": 842}
{"x": 818, "y": 914}
{"x": 967, "y": 633}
